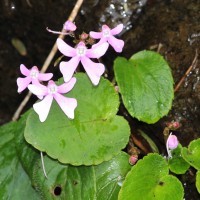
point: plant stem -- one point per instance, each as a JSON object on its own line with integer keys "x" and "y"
{"x": 48, "y": 59}
{"x": 187, "y": 72}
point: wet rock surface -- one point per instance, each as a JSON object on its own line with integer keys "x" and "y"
{"x": 169, "y": 26}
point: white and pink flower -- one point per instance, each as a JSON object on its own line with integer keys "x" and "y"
{"x": 32, "y": 76}
{"x": 107, "y": 35}
{"x": 50, "y": 92}
{"x": 83, "y": 55}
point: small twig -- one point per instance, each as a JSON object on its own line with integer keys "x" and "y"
{"x": 21, "y": 106}
{"x": 187, "y": 72}
{"x": 139, "y": 144}
{"x": 49, "y": 58}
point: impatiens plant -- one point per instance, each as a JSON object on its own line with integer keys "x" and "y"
{"x": 82, "y": 136}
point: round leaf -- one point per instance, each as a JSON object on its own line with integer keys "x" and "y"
{"x": 192, "y": 153}
{"x": 95, "y": 135}
{"x": 149, "y": 180}
{"x": 146, "y": 85}
{"x": 177, "y": 164}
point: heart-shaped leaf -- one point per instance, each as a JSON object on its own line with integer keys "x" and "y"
{"x": 95, "y": 135}
{"x": 146, "y": 85}
{"x": 15, "y": 184}
{"x": 192, "y": 153}
{"x": 177, "y": 164}
{"x": 149, "y": 179}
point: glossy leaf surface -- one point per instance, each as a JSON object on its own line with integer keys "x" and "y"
{"x": 95, "y": 135}
{"x": 146, "y": 85}
{"x": 149, "y": 179}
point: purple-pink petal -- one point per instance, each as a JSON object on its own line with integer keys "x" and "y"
{"x": 45, "y": 77}
{"x": 24, "y": 70}
{"x": 65, "y": 49}
{"x": 101, "y": 41}
{"x": 42, "y": 108}
{"x": 68, "y": 68}
{"x": 66, "y": 104}
{"x": 66, "y": 87}
{"x": 95, "y": 35}
{"x": 98, "y": 50}
{"x": 117, "y": 44}
{"x": 117, "y": 29}
{"x": 38, "y": 90}
{"x": 93, "y": 70}
{"x": 22, "y": 83}
{"x": 69, "y": 26}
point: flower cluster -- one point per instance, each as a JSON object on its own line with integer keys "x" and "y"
{"x": 78, "y": 54}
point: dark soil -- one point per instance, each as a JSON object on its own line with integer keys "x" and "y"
{"x": 174, "y": 24}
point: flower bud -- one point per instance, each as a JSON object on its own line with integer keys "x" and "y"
{"x": 172, "y": 142}
{"x": 133, "y": 159}
{"x": 69, "y": 26}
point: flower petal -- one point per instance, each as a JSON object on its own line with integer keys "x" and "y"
{"x": 66, "y": 87}
{"x": 39, "y": 90}
{"x": 66, "y": 104}
{"x": 68, "y": 68}
{"x": 42, "y": 108}
{"x": 24, "y": 70}
{"x": 98, "y": 50}
{"x": 94, "y": 70}
{"x": 101, "y": 41}
{"x": 116, "y": 43}
{"x": 117, "y": 29}
{"x": 65, "y": 49}
{"x": 22, "y": 83}
{"x": 95, "y": 35}
{"x": 45, "y": 76}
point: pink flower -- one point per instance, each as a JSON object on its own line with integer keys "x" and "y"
{"x": 32, "y": 76}
{"x": 172, "y": 143}
{"x": 83, "y": 55}
{"x": 52, "y": 91}
{"x": 107, "y": 35}
{"x": 69, "y": 26}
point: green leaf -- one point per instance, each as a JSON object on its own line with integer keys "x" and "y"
{"x": 70, "y": 182}
{"x": 15, "y": 184}
{"x": 198, "y": 181}
{"x": 192, "y": 154}
{"x": 95, "y": 135}
{"x": 83, "y": 182}
{"x": 177, "y": 164}
{"x": 146, "y": 85}
{"x": 110, "y": 176}
{"x": 149, "y": 180}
